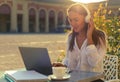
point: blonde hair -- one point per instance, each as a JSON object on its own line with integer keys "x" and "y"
{"x": 79, "y": 8}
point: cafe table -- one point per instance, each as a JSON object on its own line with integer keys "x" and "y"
{"x": 75, "y": 76}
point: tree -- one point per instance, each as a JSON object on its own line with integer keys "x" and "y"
{"x": 106, "y": 21}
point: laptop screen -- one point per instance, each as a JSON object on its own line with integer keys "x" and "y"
{"x": 36, "y": 59}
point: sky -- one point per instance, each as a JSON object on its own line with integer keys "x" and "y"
{"x": 88, "y": 1}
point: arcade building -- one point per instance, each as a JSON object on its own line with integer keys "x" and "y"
{"x": 37, "y": 16}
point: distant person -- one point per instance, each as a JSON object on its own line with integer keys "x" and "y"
{"x": 86, "y": 45}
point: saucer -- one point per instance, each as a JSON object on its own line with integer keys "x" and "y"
{"x": 65, "y": 77}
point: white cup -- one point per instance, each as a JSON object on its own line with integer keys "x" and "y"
{"x": 59, "y": 72}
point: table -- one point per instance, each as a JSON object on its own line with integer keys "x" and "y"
{"x": 76, "y": 76}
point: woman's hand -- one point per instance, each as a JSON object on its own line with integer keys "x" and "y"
{"x": 90, "y": 31}
{"x": 58, "y": 64}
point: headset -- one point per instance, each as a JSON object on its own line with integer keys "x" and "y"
{"x": 87, "y": 18}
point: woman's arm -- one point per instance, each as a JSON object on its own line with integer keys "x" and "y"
{"x": 95, "y": 54}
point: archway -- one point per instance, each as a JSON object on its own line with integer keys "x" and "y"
{"x": 19, "y": 22}
{"x": 60, "y": 18}
{"x": 32, "y": 20}
{"x": 5, "y": 12}
{"x": 51, "y": 21}
{"x": 42, "y": 17}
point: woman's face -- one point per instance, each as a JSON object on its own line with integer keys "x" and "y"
{"x": 76, "y": 20}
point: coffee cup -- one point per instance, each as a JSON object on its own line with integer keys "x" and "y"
{"x": 59, "y": 72}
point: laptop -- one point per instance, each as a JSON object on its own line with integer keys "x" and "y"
{"x": 36, "y": 59}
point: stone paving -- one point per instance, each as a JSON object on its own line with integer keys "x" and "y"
{"x": 10, "y": 57}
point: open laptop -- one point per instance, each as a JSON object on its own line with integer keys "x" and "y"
{"x": 36, "y": 59}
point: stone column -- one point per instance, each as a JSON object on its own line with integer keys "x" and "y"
{"x": 14, "y": 17}
{"x": 25, "y": 17}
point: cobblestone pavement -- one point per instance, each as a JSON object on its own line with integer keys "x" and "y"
{"x": 10, "y": 57}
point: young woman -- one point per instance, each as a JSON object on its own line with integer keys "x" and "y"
{"x": 86, "y": 45}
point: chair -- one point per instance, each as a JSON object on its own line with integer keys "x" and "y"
{"x": 111, "y": 68}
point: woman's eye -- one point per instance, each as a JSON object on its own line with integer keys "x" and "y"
{"x": 75, "y": 20}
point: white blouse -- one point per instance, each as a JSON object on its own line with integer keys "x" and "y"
{"x": 88, "y": 58}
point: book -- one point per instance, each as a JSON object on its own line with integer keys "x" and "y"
{"x": 25, "y": 76}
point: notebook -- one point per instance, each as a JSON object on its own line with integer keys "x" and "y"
{"x": 36, "y": 59}
{"x": 25, "y": 76}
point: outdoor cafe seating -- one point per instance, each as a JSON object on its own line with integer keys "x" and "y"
{"x": 111, "y": 68}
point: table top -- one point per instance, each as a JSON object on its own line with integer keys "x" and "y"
{"x": 76, "y": 76}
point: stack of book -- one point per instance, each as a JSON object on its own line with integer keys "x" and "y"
{"x": 25, "y": 76}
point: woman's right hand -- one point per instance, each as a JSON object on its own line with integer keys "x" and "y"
{"x": 58, "y": 64}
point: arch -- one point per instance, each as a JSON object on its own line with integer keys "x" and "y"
{"x": 4, "y": 9}
{"x": 5, "y": 14}
{"x": 60, "y": 18}
{"x": 51, "y": 21}
{"x": 32, "y": 19}
{"x": 42, "y": 8}
{"x": 42, "y": 20}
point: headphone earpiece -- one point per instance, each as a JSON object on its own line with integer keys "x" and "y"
{"x": 87, "y": 18}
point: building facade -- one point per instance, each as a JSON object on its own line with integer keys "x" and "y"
{"x": 32, "y": 15}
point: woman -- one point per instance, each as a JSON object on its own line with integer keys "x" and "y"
{"x": 86, "y": 45}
